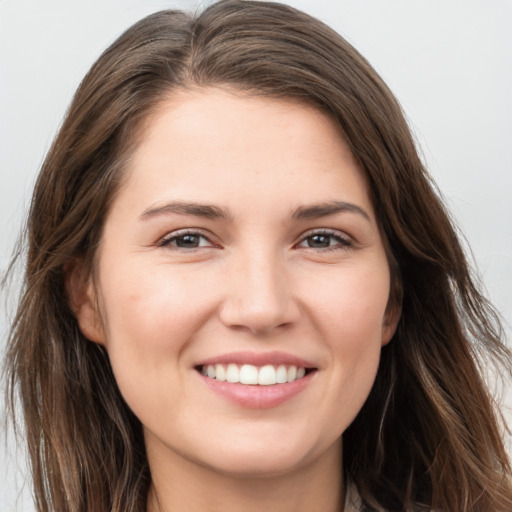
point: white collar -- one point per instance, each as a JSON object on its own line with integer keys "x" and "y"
{"x": 352, "y": 499}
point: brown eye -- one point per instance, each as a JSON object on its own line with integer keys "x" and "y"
{"x": 319, "y": 241}
{"x": 325, "y": 241}
{"x": 185, "y": 241}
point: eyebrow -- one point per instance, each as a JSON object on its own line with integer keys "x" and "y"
{"x": 316, "y": 211}
{"x": 206, "y": 211}
{"x": 209, "y": 211}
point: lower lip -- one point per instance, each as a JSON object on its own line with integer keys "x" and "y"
{"x": 258, "y": 397}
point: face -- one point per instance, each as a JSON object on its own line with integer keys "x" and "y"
{"x": 243, "y": 285}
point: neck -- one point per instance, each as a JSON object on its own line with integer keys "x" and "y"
{"x": 187, "y": 487}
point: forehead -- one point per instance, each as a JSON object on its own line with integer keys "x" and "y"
{"x": 210, "y": 143}
{"x": 232, "y": 118}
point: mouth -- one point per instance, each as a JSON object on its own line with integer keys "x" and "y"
{"x": 252, "y": 375}
{"x": 255, "y": 380}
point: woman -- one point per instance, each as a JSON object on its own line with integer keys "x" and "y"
{"x": 242, "y": 292}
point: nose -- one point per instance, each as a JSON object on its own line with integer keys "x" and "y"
{"x": 259, "y": 295}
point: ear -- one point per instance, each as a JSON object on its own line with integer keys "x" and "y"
{"x": 390, "y": 322}
{"x": 393, "y": 311}
{"x": 83, "y": 301}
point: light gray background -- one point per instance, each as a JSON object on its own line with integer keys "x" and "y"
{"x": 448, "y": 62}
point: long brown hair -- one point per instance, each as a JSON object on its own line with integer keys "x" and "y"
{"x": 428, "y": 433}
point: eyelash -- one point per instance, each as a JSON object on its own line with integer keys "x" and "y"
{"x": 341, "y": 241}
{"x": 168, "y": 240}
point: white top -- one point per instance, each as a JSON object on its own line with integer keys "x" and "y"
{"x": 353, "y": 500}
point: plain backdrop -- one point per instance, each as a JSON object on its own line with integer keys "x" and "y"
{"x": 447, "y": 61}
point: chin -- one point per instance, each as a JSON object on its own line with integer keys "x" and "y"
{"x": 269, "y": 457}
{"x": 258, "y": 465}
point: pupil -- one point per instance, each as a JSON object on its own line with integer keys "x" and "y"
{"x": 319, "y": 241}
{"x": 188, "y": 241}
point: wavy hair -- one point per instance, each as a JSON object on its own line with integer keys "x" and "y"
{"x": 430, "y": 431}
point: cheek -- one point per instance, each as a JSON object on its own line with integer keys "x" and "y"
{"x": 153, "y": 307}
{"x": 150, "y": 318}
{"x": 351, "y": 318}
{"x": 351, "y": 304}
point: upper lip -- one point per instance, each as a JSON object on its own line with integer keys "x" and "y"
{"x": 257, "y": 359}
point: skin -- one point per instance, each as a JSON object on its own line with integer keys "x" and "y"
{"x": 255, "y": 282}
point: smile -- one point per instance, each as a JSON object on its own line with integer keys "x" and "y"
{"x": 248, "y": 374}
{"x": 257, "y": 380}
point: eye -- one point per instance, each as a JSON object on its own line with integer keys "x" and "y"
{"x": 325, "y": 240}
{"x": 185, "y": 240}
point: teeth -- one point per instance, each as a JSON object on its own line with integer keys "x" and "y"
{"x": 291, "y": 374}
{"x": 220, "y": 372}
{"x": 248, "y": 374}
{"x": 232, "y": 373}
{"x": 281, "y": 374}
{"x": 267, "y": 375}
